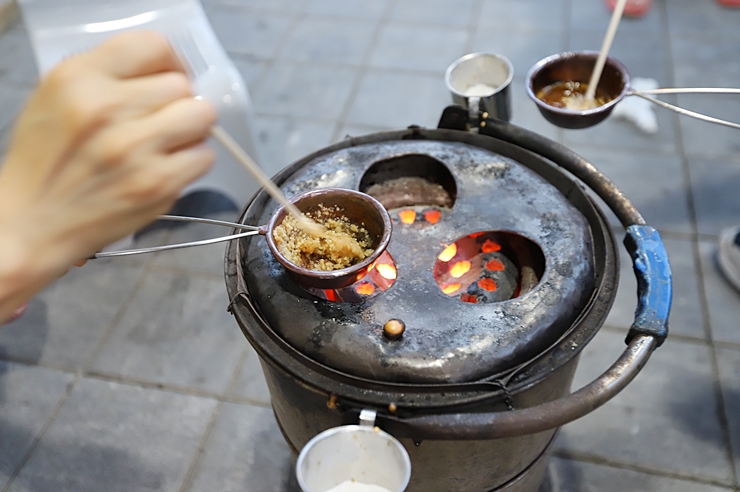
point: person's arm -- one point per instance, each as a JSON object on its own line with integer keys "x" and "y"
{"x": 105, "y": 144}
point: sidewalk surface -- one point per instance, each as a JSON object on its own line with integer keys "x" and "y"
{"x": 129, "y": 374}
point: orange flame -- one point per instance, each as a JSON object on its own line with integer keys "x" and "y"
{"x": 495, "y": 265}
{"x": 365, "y": 289}
{"x": 476, "y": 234}
{"x": 490, "y": 246}
{"x": 448, "y": 253}
{"x": 386, "y": 271}
{"x": 487, "y": 284}
{"x": 331, "y": 295}
{"x": 432, "y": 216}
{"x": 449, "y": 289}
{"x": 407, "y": 216}
{"x": 469, "y": 298}
{"x": 460, "y": 268}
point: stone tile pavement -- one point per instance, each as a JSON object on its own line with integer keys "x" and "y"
{"x": 128, "y": 374}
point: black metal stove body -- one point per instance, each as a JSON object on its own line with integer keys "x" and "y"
{"x": 457, "y": 363}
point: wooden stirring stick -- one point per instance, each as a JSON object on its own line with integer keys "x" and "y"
{"x": 348, "y": 245}
{"x": 605, "y": 47}
{"x": 223, "y": 137}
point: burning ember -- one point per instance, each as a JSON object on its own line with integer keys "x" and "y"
{"x": 421, "y": 215}
{"x": 378, "y": 279}
{"x": 478, "y": 268}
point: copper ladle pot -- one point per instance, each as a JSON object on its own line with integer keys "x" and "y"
{"x": 359, "y": 208}
{"x": 577, "y": 66}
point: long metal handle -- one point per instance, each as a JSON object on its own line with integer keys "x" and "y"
{"x": 180, "y": 218}
{"x": 499, "y": 425}
{"x": 685, "y": 112}
{"x": 686, "y": 90}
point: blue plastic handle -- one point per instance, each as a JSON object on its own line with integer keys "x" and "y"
{"x": 654, "y": 287}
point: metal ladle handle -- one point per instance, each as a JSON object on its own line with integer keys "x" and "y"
{"x": 691, "y": 90}
{"x": 178, "y": 218}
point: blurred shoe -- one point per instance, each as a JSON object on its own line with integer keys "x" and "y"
{"x": 729, "y": 3}
{"x": 729, "y": 255}
{"x": 637, "y": 8}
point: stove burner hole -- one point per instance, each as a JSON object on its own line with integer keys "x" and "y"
{"x": 378, "y": 279}
{"x": 491, "y": 266}
{"x": 410, "y": 180}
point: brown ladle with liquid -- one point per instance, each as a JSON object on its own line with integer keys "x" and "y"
{"x": 575, "y": 67}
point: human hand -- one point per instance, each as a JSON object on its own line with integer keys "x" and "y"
{"x": 105, "y": 144}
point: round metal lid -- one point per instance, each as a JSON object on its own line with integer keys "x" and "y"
{"x": 529, "y": 278}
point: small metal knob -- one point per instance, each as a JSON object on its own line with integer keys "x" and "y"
{"x": 393, "y": 329}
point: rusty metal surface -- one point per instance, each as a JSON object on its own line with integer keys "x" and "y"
{"x": 445, "y": 340}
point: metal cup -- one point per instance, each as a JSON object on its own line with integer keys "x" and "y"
{"x": 353, "y": 456}
{"x": 480, "y": 82}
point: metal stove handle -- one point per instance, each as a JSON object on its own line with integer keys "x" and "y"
{"x": 648, "y": 331}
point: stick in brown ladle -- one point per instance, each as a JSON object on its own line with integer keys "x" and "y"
{"x": 347, "y": 245}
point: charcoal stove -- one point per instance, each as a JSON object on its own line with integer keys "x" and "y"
{"x": 465, "y": 336}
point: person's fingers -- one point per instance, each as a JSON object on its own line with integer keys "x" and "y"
{"x": 136, "y": 53}
{"x": 145, "y": 95}
{"x": 184, "y": 122}
{"x": 185, "y": 166}
{"x": 80, "y": 263}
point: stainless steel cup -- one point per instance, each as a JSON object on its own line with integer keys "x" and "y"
{"x": 354, "y": 457}
{"x": 480, "y": 82}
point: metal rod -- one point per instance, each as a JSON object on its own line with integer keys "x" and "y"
{"x": 182, "y": 218}
{"x": 686, "y": 112}
{"x": 686, "y": 90}
{"x": 167, "y": 247}
{"x": 499, "y": 425}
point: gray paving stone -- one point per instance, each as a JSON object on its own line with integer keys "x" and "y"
{"x": 416, "y": 47}
{"x": 686, "y": 313}
{"x": 245, "y": 451}
{"x": 12, "y": 99}
{"x": 629, "y": 48}
{"x": 306, "y": 90}
{"x": 653, "y": 182}
{"x": 202, "y": 259}
{"x": 361, "y": 9}
{"x": 458, "y": 13}
{"x": 250, "y": 69}
{"x": 175, "y": 331}
{"x": 701, "y": 137}
{"x": 251, "y": 381}
{"x": 707, "y": 61}
{"x": 64, "y": 323}
{"x": 523, "y": 46}
{"x": 690, "y": 17}
{"x": 284, "y": 139}
{"x": 723, "y": 301}
{"x": 729, "y": 369}
{"x": 594, "y": 16}
{"x": 714, "y": 183}
{"x": 523, "y": 13}
{"x": 247, "y": 32}
{"x": 286, "y": 6}
{"x": 525, "y": 112}
{"x": 666, "y": 419}
{"x": 395, "y": 99}
{"x": 323, "y": 39}
{"x": 575, "y": 476}
{"x": 113, "y": 437}
{"x": 28, "y": 396}
{"x": 16, "y": 57}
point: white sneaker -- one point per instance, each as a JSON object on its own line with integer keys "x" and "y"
{"x": 729, "y": 255}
